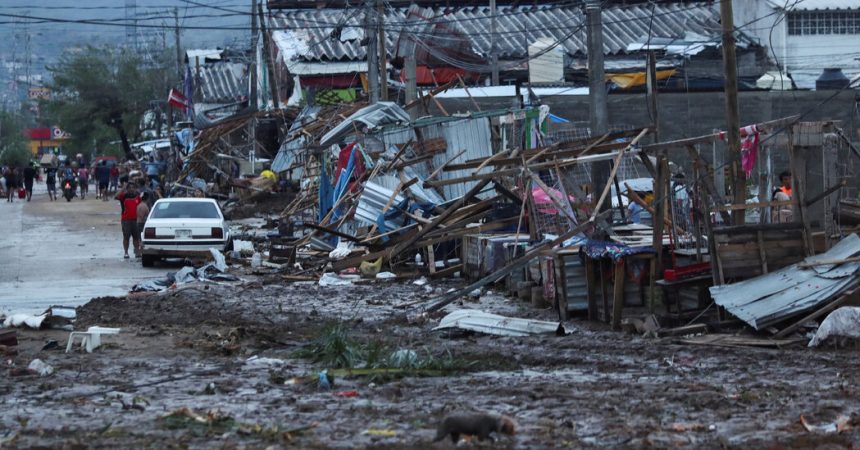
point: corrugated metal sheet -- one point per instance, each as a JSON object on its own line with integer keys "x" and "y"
{"x": 373, "y": 200}
{"x": 791, "y": 291}
{"x": 517, "y": 27}
{"x": 809, "y": 5}
{"x": 482, "y": 322}
{"x": 372, "y": 117}
{"x": 473, "y": 135}
{"x": 223, "y": 82}
{"x": 574, "y": 282}
{"x": 287, "y": 155}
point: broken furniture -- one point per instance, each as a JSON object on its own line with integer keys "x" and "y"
{"x": 90, "y": 339}
{"x": 685, "y": 297}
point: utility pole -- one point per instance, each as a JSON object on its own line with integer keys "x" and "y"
{"x": 733, "y": 134}
{"x": 268, "y": 55}
{"x": 598, "y": 113}
{"x": 252, "y": 101}
{"x": 494, "y": 57}
{"x": 372, "y": 53}
{"x": 178, "y": 47}
{"x": 383, "y": 55}
{"x": 651, "y": 92}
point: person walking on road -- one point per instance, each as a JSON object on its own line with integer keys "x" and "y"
{"x": 84, "y": 181}
{"x": 114, "y": 179}
{"x": 142, "y": 211}
{"x": 129, "y": 199}
{"x": 11, "y": 176}
{"x": 102, "y": 174}
{"x": 51, "y": 182}
{"x": 29, "y": 176}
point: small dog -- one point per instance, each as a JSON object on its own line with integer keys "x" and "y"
{"x": 480, "y": 425}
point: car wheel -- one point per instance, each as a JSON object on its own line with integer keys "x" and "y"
{"x": 147, "y": 260}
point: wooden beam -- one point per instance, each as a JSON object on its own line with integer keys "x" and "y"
{"x": 489, "y": 160}
{"x": 826, "y": 262}
{"x": 829, "y": 191}
{"x": 439, "y": 169}
{"x": 708, "y": 182}
{"x": 555, "y": 201}
{"x": 518, "y": 170}
{"x": 754, "y": 205}
{"x": 633, "y": 196}
{"x": 615, "y": 167}
{"x": 435, "y": 91}
{"x": 618, "y": 294}
{"x": 555, "y": 152}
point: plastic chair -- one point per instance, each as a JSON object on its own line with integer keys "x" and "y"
{"x": 90, "y": 339}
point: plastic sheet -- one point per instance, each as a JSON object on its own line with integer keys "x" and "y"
{"x": 844, "y": 322}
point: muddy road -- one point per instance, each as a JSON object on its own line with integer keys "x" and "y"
{"x": 62, "y": 253}
{"x": 209, "y": 366}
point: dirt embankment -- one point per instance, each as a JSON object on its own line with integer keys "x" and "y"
{"x": 239, "y": 366}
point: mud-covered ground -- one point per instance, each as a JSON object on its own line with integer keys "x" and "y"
{"x": 238, "y": 367}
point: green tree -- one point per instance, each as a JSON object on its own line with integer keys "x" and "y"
{"x": 13, "y": 147}
{"x": 101, "y": 94}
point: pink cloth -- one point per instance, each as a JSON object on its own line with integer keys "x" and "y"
{"x": 749, "y": 151}
{"x": 544, "y": 203}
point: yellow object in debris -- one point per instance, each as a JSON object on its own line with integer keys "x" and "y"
{"x": 648, "y": 198}
{"x": 633, "y": 79}
{"x": 378, "y": 432}
{"x": 269, "y": 174}
{"x": 370, "y": 269}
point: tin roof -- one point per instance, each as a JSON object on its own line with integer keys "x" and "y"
{"x": 769, "y": 299}
{"x": 223, "y": 82}
{"x": 336, "y": 34}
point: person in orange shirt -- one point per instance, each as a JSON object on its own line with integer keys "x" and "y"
{"x": 782, "y": 214}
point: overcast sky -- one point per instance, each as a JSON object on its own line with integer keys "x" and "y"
{"x": 46, "y": 40}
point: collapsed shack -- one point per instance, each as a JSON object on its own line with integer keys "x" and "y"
{"x": 496, "y": 198}
{"x": 228, "y": 157}
{"x": 755, "y": 271}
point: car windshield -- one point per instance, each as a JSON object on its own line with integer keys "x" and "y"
{"x": 185, "y": 210}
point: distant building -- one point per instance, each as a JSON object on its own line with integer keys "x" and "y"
{"x": 804, "y": 37}
{"x": 44, "y": 140}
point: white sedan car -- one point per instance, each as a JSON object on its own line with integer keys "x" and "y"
{"x": 179, "y": 227}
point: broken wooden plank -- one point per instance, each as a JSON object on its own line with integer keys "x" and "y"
{"x": 618, "y": 294}
{"x": 827, "y": 262}
{"x": 450, "y": 160}
{"x": 616, "y": 165}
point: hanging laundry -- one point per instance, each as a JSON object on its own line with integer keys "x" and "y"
{"x": 749, "y": 148}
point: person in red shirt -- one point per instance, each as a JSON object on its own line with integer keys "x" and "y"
{"x": 129, "y": 198}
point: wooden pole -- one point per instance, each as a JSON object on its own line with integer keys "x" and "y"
{"x": 733, "y": 137}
